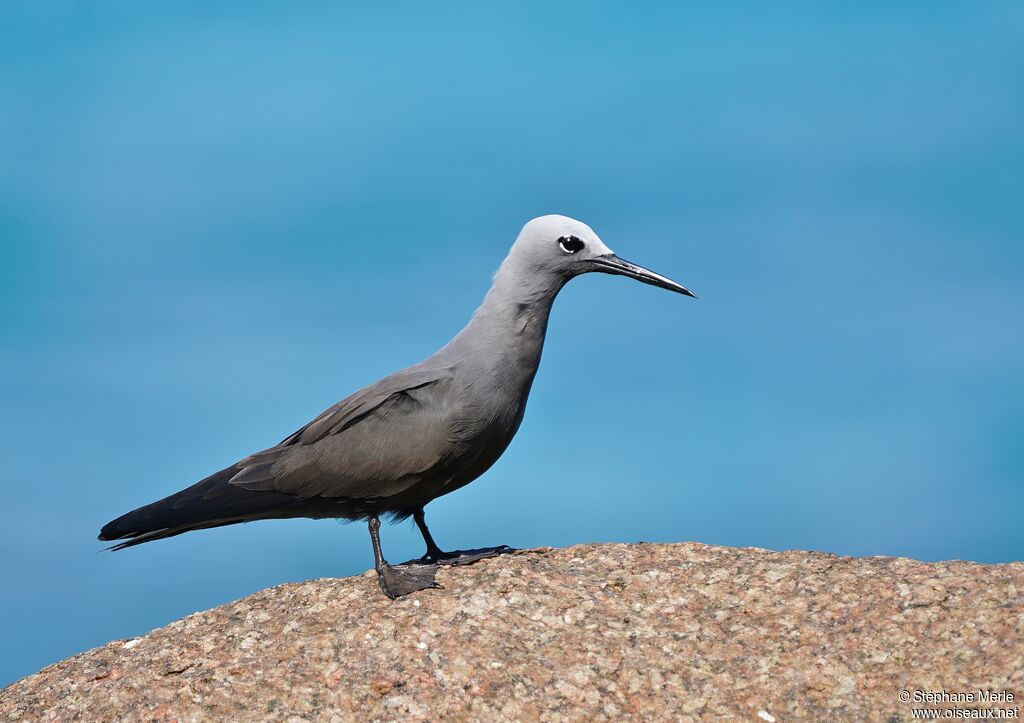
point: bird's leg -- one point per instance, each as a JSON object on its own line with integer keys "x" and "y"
{"x": 434, "y": 553}
{"x": 460, "y": 557}
{"x": 398, "y": 581}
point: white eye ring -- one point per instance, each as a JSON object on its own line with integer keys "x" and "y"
{"x": 570, "y": 244}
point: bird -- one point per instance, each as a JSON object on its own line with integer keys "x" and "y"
{"x": 425, "y": 431}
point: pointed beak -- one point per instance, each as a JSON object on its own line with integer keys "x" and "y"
{"x": 612, "y": 264}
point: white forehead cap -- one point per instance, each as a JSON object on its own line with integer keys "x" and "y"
{"x": 553, "y": 226}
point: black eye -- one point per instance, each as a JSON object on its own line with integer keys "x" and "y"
{"x": 570, "y": 244}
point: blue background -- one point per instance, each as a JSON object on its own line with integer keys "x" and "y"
{"x": 216, "y": 221}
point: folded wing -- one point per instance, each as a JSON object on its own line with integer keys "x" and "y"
{"x": 372, "y": 445}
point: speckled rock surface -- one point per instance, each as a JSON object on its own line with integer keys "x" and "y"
{"x": 605, "y": 632}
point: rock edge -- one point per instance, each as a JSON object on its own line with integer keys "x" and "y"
{"x": 609, "y": 632}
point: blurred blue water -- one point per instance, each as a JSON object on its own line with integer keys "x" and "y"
{"x": 214, "y": 222}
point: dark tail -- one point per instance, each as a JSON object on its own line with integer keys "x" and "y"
{"x": 213, "y": 502}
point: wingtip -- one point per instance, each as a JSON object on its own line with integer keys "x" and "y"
{"x": 108, "y": 533}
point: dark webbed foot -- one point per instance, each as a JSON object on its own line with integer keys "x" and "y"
{"x": 436, "y": 556}
{"x": 463, "y": 557}
{"x": 399, "y": 580}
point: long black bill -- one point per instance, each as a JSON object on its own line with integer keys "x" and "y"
{"x": 612, "y": 264}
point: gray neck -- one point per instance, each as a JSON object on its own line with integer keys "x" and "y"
{"x": 505, "y": 337}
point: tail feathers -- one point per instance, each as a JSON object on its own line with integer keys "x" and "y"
{"x": 139, "y": 538}
{"x": 212, "y": 502}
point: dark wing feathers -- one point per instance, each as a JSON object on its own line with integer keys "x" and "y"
{"x": 349, "y": 410}
{"x": 212, "y": 502}
{"x": 373, "y": 448}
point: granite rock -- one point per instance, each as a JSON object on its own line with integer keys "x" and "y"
{"x": 600, "y": 632}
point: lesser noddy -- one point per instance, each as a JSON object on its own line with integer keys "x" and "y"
{"x": 422, "y": 432}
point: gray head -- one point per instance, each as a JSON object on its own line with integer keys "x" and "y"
{"x": 562, "y": 247}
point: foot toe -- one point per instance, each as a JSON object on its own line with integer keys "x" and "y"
{"x": 466, "y": 557}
